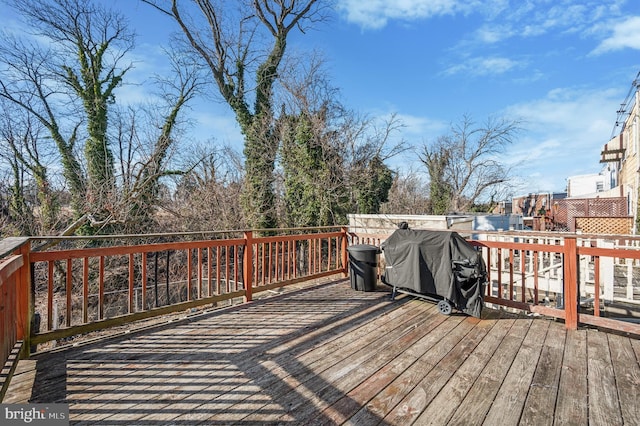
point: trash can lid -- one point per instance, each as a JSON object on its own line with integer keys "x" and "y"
{"x": 363, "y": 247}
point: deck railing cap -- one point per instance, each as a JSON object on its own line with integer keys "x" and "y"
{"x": 10, "y": 244}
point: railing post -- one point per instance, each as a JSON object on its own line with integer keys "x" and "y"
{"x": 247, "y": 266}
{"x": 607, "y": 271}
{"x": 343, "y": 251}
{"x": 571, "y": 283}
{"x": 23, "y": 309}
{"x": 24, "y": 297}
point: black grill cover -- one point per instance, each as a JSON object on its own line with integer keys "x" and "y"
{"x": 439, "y": 263}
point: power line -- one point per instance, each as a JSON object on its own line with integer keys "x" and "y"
{"x": 626, "y": 106}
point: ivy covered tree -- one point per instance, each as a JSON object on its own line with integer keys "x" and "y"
{"x": 90, "y": 42}
{"x": 313, "y": 194}
{"x": 243, "y": 45}
{"x": 376, "y": 180}
{"x": 64, "y": 75}
{"x": 19, "y": 148}
{"x": 79, "y": 68}
{"x": 333, "y": 159}
{"x": 436, "y": 159}
{"x": 141, "y": 190}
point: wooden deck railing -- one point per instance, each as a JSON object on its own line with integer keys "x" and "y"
{"x": 83, "y": 290}
{"x": 583, "y": 274}
{"x": 56, "y": 294}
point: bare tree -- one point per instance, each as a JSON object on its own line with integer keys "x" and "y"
{"x": 408, "y": 195}
{"x": 28, "y": 161}
{"x": 368, "y": 144}
{"x": 208, "y": 194}
{"x": 243, "y": 44}
{"x": 25, "y": 81}
{"x": 465, "y": 165}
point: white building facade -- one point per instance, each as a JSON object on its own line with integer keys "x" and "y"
{"x": 593, "y": 185}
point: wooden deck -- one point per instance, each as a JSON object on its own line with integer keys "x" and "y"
{"x": 331, "y": 355}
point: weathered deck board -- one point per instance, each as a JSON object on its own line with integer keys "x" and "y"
{"x": 508, "y": 404}
{"x": 477, "y": 394}
{"x": 573, "y": 395}
{"x": 334, "y": 362}
{"x": 627, "y": 375}
{"x": 544, "y": 385}
{"x": 440, "y": 361}
{"x": 350, "y": 403}
{"x": 603, "y": 394}
{"x": 414, "y": 403}
{"x": 327, "y": 387}
{"x": 330, "y": 355}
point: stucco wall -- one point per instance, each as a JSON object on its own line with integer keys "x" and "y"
{"x": 373, "y": 224}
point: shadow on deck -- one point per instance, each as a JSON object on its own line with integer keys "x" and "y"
{"x": 331, "y": 355}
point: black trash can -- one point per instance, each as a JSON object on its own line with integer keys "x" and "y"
{"x": 363, "y": 266}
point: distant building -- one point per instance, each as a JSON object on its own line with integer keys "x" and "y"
{"x": 622, "y": 152}
{"x": 503, "y": 207}
{"x": 593, "y": 185}
{"x": 537, "y": 204}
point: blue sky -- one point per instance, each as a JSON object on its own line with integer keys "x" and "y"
{"x": 563, "y": 66}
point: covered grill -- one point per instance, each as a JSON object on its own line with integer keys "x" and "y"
{"x": 437, "y": 265}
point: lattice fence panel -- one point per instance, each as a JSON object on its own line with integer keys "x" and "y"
{"x": 566, "y": 211}
{"x": 605, "y": 225}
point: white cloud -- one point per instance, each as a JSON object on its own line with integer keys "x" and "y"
{"x": 420, "y": 126}
{"x": 526, "y": 19}
{"x": 484, "y": 66}
{"x": 564, "y": 134}
{"x": 625, "y": 34}
{"x": 500, "y": 26}
{"x": 375, "y": 14}
{"x": 131, "y": 94}
{"x": 578, "y": 112}
{"x": 502, "y": 18}
{"x": 490, "y": 34}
